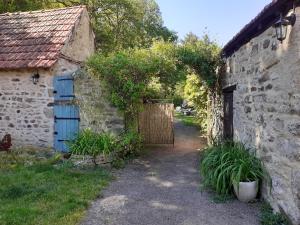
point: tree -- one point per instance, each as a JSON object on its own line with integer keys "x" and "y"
{"x": 26, "y": 5}
{"x": 121, "y": 24}
{"x": 190, "y": 38}
{"x": 203, "y": 57}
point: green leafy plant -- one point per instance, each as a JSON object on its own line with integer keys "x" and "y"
{"x": 196, "y": 94}
{"x": 130, "y": 145}
{"x": 93, "y": 144}
{"x": 268, "y": 217}
{"x": 202, "y": 56}
{"x": 127, "y": 75}
{"x": 229, "y": 163}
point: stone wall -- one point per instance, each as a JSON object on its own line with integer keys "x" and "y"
{"x": 81, "y": 44}
{"x": 26, "y": 109}
{"x": 267, "y": 110}
{"x": 96, "y": 112}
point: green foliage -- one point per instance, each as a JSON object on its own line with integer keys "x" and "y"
{"x": 187, "y": 120}
{"x": 268, "y": 217}
{"x": 127, "y": 75}
{"x": 122, "y": 24}
{"x": 93, "y": 144}
{"x": 196, "y": 94}
{"x": 130, "y": 145}
{"x": 116, "y": 148}
{"x": 26, "y": 5}
{"x": 203, "y": 57}
{"x": 227, "y": 163}
{"x": 134, "y": 75}
{"x": 47, "y": 194}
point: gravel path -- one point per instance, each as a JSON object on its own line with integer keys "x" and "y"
{"x": 162, "y": 188}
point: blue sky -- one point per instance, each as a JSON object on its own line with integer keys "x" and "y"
{"x": 221, "y": 19}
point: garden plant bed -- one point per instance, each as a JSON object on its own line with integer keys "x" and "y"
{"x": 46, "y": 191}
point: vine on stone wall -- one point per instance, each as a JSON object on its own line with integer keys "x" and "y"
{"x": 127, "y": 73}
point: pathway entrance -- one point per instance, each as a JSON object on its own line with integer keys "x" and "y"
{"x": 162, "y": 188}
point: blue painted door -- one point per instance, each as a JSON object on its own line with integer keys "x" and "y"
{"x": 66, "y": 118}
{"x": 63, "y": 88}
{"x": 66, "y": 114}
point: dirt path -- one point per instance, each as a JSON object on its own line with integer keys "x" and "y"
{"x": 162, "y": 188}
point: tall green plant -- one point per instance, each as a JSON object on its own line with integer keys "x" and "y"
{"x": 93, "y": 144}
{"x": 228, "y": 163}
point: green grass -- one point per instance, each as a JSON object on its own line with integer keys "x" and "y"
{"x": 268, "y": 217}
{"x": 46, "y": 193}
{"x": 187, "y": 120}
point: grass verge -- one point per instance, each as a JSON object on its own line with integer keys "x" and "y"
{"x": 268, "y": 217}
{"x": 45, "y": 193}
{"x": 187, "y": 120}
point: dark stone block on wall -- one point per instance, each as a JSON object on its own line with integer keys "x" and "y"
{"x": 247, "y": 109}
{"x": 254, "y": 50}
{"x": 294, "y": 129}
{"x": 269, "y": 87}
{"x": 265, "y": 77}
{"x": 274, "y": 46}
{"x": 266, "y": 43}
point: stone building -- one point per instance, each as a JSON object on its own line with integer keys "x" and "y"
{"x": 44, "y": 98}
{"x": 261, "y": 100}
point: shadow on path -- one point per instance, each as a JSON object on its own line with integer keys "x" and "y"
{"x": 162, "y": 188}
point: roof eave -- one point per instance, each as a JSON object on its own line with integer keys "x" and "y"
{"x": 258, "y": 25}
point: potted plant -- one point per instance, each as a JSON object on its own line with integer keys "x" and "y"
{"x": 247, "y": 172}
{"x": 230, "y": 167}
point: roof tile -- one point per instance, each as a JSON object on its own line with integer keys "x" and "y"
{"x": 35, "y": 39}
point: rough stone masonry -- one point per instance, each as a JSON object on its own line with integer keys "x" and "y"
{"x": 267, "y": 110}
{"x": 26, "y": 109}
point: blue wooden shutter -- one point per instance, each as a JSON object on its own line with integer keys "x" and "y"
{"x": 66, "y": 125}
{"x": 63, "y": 88}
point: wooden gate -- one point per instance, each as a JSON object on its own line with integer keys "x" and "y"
{"x": 156, "y": 123}
{"x": 66, "y": 114}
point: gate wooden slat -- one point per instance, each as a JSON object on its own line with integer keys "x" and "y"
{"x": 156, "y": 123}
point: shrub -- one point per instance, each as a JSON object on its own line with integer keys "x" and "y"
{"x": 93, "y": 144}
{"x": 228, "y": 163}
{"x": 130, "y": 145}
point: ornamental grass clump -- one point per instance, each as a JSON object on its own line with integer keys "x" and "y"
{"x": 116, "y": 148}
{"x": 226, "y": 164}
{"x": 93, "y": 144}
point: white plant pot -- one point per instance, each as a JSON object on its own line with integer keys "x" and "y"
{"x": 247, "y": 191}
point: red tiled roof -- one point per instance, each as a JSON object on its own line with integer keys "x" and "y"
{"x": 35, "y": 39}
